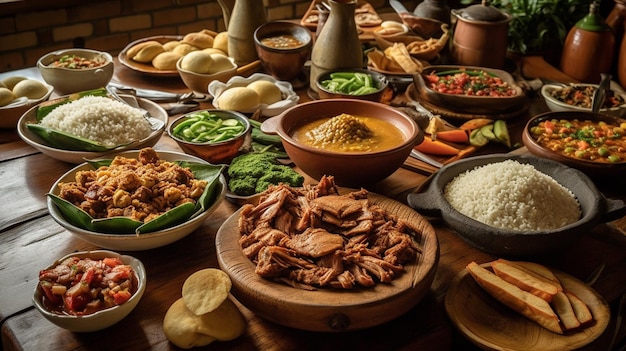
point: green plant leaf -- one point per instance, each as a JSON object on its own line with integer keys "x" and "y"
{"x": 67, "y": 141}
{"x": 71, "y": 213}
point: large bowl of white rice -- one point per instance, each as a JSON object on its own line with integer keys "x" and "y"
{"x": 515, "y": 205}
{"x": 96, "y": 118}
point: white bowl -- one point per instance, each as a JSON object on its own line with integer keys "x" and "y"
{"x": 67, "y": 80}
{"x": 290, "y": 98}
{"x": 101, "y": 319}
{"x": 10, "y": 114}
{"x": 556, "y": 105}
{"x": 77, "y": 157}
{"x": 132, "y": 241}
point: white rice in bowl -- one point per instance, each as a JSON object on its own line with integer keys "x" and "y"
{"x": 100, "y": 119}
{"x": 514, "y": 196}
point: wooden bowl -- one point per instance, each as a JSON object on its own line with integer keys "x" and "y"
{"x": 493, "y": 326}
{"x": 330, "y": 310}
{"x": 470, "y": 104}
{"x": 592, "y": 169}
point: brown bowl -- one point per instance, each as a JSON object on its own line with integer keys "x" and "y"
{"x": 220, "y": 152}
{"x": 349, "y": 169}
{"x": 590, "y": 168}
{"x": 470, "y": 104}
{"x": 283, "y": 63}
{"x": 200, "y": 82}
{"x": 380, "y": 81}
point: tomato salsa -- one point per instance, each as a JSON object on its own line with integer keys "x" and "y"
{"x": 469, "y": 83}
{"x": 583, "y": 139}
{"x": 77, "y": 62}
{"x": 83, "y": 286}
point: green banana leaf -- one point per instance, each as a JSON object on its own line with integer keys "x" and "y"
{"x": 124, "y": 225}
{"x": 60, "y": 139}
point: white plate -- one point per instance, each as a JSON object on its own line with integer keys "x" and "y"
{"x": 77, "y": 157}
{"x": 290, "y": 98}
{"x": 133, "y": 242}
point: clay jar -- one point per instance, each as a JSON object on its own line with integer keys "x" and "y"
{"x": 588, "y": 48}
{"x": 246, "y": 17}
{"x": 480, "y": 36}
{"x": 337, "y": 45}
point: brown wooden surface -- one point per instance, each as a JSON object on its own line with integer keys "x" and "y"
{"x": 329, "y": 310}
{"x": 30, "y": 240}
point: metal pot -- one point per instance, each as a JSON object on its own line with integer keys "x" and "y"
{"x": 480, "y": 36}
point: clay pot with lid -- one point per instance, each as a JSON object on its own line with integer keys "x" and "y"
{"x": 480, "y": 36}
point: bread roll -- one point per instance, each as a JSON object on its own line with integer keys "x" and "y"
{"x": 30, "y": 88}
{"x": 170, "y": 45}
{"x": 199, "y": 40}
{"x": 166, "y": 60}
{"x": 134, "y": 50}
{"x": 184, "y": 48}
{"x": 148, "y": 52}
{"x": 6, "y": 96}
{"x": 525, "y": 303}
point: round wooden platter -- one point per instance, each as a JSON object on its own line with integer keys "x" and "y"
{"x": 493, "y": 326}
{"x": 331, "y": 310}
{"x": 147, "y": 68}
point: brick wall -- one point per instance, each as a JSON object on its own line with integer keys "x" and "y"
{"x": 31, "y": 28}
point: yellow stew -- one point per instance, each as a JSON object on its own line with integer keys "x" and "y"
{"x": 587, "y": 140}
{"x": 348, "y": 133}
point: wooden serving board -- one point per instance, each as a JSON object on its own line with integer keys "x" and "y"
{"x": 330, "y": 310}
{"x": 493, "y": 326}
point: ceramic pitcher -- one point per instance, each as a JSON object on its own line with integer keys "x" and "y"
{"x": 337, "y": 45}
{"x": 245, "y": 18}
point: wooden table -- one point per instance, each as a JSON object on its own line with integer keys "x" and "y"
{"x": 30, "y": 240}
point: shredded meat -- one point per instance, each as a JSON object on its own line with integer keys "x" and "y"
{"x": 313, "y": 237}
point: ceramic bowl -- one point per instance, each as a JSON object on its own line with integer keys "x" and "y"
{"x": 200, "y": 82}
{"x": 470, "y": 104}
{"x": 591, "y": 168}
{"x": 76, "y": 157}
{"x": 101, "y": 319}
{"x": 555, "y": 104}
{"x": 290, "y": 97}
{"x": 349, "y": 169}
{"x": 68, "y": 80}
{"x": 132, "y": 241}
{"x": 504, "y": 242}
{"x": 283, "y": 63}
{"x": 379, "y": 80}
{"x": 10, "y": 114}
{"x": 220, "y": 152}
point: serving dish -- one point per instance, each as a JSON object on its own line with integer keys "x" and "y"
{"x": 200, "y": 82}
{"x": 133, "y": 241}
{"x": 30, "y": 117}
{"x": 147, "y": 68}
{"x": 101, "y": 319}
{"x": 378, "y": 81}
{"x": 11, "y": 113}
{"x": 591, "y": 168}
{"x": 290, "y": 97}
{"x": 493, "y": 326}
{"x": 595, "y": 208}
{"x": 283, "y": 63}
{"x": 470, "y": 104}
{"x": 350, "y": 169}
{"x": 71, "y": 80}
{"x": 329, "y": 310}
{"x": 555, "y": 104}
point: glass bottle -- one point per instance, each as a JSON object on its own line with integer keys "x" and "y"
{"x": 337, "y": 45}
{"x": 245, "y": 18}
{"x": 588, "y": 48}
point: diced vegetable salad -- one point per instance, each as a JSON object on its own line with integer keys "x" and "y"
{"x": 469, "y": 82}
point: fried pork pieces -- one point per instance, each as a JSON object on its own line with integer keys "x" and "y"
{"x": 313, "y": 237}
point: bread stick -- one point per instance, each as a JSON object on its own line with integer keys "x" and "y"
{"x": 525, "y": 280}
{"x": 564, "y": 310}
{"x": 523, "y": 302}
